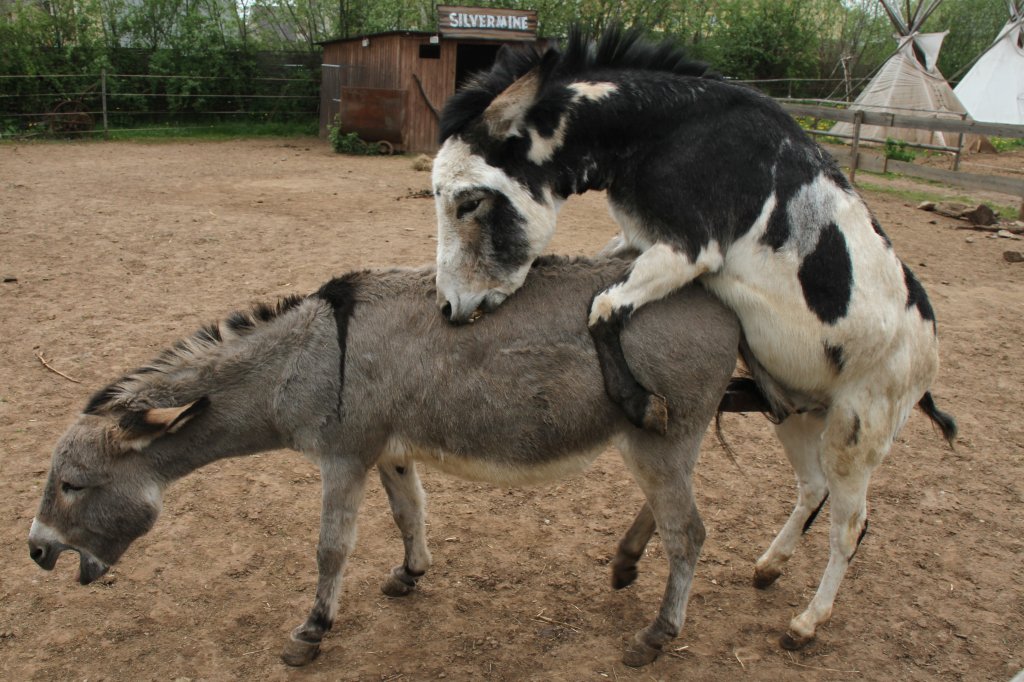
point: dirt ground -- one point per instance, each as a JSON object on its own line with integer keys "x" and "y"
{"x": 119, "y": 249}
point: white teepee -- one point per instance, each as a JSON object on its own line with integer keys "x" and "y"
{"x": 910, "y": 83}
{"x": 993, "y": 90}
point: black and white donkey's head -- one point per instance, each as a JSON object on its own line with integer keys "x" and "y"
{"x": 513, "y": 148}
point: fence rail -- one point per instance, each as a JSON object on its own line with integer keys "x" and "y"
{"x": 100, "y": 103}
{"x": 856, "y": 159}
{"x": 896, "y": 120}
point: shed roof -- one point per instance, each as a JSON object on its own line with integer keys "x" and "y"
{"x": 407, "y": 33}
{"x": 420, "y": 34}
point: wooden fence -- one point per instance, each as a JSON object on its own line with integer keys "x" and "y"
{"x": 855, "y": 158}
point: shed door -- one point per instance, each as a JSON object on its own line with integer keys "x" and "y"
{"x": 470, "y": 58}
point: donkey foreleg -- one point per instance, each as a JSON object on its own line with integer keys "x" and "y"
{"x": 342, "y": 494}
{"x": 405, "y": 495}
{"x": 800, "y": 435}
{"x": 631, "y": 547}
{"x": 656, "y": 273}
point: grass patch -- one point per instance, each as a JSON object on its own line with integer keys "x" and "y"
{"x": 916, "y": 195}
{"x": 1005, "y": 144}
{"x": 178, "y": 131}
{"x": 216, "y": 131}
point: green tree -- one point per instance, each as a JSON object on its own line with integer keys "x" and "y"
{"x": 972, "y": 25}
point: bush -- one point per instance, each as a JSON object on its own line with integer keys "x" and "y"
{"x": 897, "y": 150}
{"x": 349, "y": 143}
{"x": 1005, "y": 144}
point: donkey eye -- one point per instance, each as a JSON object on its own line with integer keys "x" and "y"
{"x": 467, "y": 207}
{"x": 66, "y": 488}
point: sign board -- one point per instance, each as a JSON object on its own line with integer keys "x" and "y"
{"x": 487, "y": 23}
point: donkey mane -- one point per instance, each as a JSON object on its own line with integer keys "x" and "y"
{"x": 207, "y": 339}
{"x": 616, "y": 49}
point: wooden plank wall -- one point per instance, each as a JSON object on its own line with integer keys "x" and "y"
{"x": 393, "y": 62}
{"x": 437, "y": 77}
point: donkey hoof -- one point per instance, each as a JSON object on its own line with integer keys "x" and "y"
{"x": 623, "y": 576}
{"x": 656, "y": 414}
{"x": 297, "y": 653}
{"x": 791, "y": 641}
{"x": 765, "y": 577}
{"x": 394, "y": 586}
{"x": 639, "y": 654}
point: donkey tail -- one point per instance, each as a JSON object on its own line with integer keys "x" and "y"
{"x": 945, "y": 422}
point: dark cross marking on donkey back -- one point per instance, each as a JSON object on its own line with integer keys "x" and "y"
{"x": 340, "y": 294}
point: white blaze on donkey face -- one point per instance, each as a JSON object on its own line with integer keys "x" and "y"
{"x": 490, "y": 230}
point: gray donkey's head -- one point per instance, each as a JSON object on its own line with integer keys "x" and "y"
{"x": 104, "y": 489}
{"x": 200, "y": 400}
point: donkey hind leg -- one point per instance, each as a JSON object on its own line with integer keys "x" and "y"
{"x": 405, "y": 495}
{"x": 667, "y": 486}
{"x": 657, "y": 272}
{"x": 857, "y": 437}
{"x": 631, "y": 548}
{"x": 342, "y": 494}
{"x": 800, "y": 435}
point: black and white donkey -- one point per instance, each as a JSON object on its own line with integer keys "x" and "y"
{"x": 713, "y": 181}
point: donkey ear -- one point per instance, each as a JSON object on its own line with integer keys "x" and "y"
{"x": 505, "y": 117}
{"x": 170, "y": 419}
{"x": 137, "y": 429}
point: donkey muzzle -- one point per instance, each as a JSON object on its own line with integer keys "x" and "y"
{"x": 468, "y": 311}
{"x": 45, "y": 546}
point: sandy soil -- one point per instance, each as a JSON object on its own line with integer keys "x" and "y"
{"x": 119, "y": 249}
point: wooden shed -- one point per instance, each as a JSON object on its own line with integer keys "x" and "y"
{"x": 392, "y": 86}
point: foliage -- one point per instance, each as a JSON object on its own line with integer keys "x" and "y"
{"x": 215, "y": 45}
{"x": 897, "y": 150}
{"x": 349, "y": 143}
{"x": 972, "y": 25}
{"x": 1005, "y": 144}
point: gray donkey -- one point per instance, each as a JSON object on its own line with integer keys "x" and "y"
{"x": 364, "y": 373}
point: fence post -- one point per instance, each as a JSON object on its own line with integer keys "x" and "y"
{"x": 959, "y": 146}
{"x": 858, "y": 118}
{"x": 103, "y": 91}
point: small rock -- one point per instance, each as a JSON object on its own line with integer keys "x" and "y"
{"x": 927, "y": 206}
{"x": 1006, "y": 234}
{"x": 982, "y": 215}
{"x": 1013, "y": 256}
{"x": 10, "y": 279}
{"x": 969, "y": 240}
